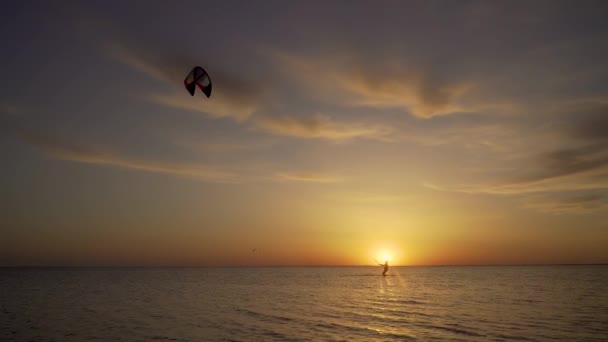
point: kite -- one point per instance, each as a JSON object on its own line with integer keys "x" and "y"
{"x": 198, "y": 77}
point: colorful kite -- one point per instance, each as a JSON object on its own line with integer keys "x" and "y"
{"x": 198, "y": 76}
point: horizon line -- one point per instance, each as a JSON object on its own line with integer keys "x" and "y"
{"x": 269, "y": 266}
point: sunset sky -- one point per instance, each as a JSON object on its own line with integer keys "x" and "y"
{"x": 437, "y": 132}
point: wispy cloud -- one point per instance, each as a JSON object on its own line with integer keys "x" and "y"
{"x": 588, "y": 120}
{"x": 308, "y": 177}
{"x": 568, "y": 203}
{"x": 391, "y": 85}
{"x": 570, "y": 161}
{"x": 597, "y": 180}
{"x": 156, "y": 69}
{"x": 564, "y": 170}
{"x": 366, "y": 197}
{"x": 242, "y": 101}
{"x": 575, "y": 169}
{"x": 219, "y": 107}
{"x": 236, "y": 98}
{"x": 89, "y": 155}
{"x": 319, "y": 126}
{"x": 223, "y": 145}
{"x": 252, "y": 172}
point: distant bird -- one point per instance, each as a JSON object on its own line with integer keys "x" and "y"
{"x": 253, "y": 250}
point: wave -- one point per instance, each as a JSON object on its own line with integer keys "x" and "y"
{"x": 454, "y": 330}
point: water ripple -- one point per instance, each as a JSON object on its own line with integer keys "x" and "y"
{"x": 311, "y": 304}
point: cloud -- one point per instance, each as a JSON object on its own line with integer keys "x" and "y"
{"x": 572, "y": 157}
{"x": 577, "y": 177}
{"x": 571, "y": 161}
{"x": 568, "y": 204}
{"x": 466, "y": 132}
{"x": 571, "y": 194}
{"x": 566, "y": 181}
{"x": 581, "y": 161}
{"x": 366, "y": 197}
{"x": 483, "y": 77}
{"x": 68, "y": 151}
{"x": 393, "y": 84}
{"x": 239, "y": 100}
{"x": 223, "y": 145}
{"x": 319, "y": 126}
{"x": 150, "y": 66}
{"x": 589, "y": 121}
{"x": 72, "y": 152}
{"x": 219, "y": 107}
{"x": 233, "y": 96}
{"x": 308, "y": 177}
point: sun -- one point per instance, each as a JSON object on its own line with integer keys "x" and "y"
{"x": 385, "y": 252}
{"x": 384, "y": 256}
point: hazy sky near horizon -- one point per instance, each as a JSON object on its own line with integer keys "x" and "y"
{"x": 440, "y": 132}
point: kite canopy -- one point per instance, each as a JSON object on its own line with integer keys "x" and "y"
{"x": 198, "y": 76}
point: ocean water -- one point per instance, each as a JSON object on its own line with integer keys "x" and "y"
{"x": 531, "y": 303}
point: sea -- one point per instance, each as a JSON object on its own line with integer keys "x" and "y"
{"x": 442, "y": 303}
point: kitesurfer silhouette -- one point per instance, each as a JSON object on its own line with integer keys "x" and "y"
{"x": 385, "y": 267}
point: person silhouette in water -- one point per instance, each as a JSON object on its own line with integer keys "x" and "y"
{"x": 385, "y": 267}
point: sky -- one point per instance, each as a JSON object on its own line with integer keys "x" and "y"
{"x": 435, "y": 132}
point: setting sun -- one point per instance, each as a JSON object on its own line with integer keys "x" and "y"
{"x": 384, "y": 257}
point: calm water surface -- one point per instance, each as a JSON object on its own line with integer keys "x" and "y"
{"x": 534, "y": 303}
